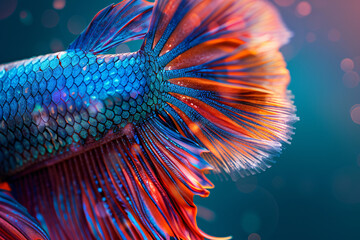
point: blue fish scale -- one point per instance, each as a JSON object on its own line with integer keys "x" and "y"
{"x": 59, "y": 103}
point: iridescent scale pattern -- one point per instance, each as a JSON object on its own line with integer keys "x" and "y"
{"x": 57, "y": 103}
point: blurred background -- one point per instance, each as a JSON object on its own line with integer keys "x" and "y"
{"x": 313, "y": 192}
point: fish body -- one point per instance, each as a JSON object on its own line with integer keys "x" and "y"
{"x": 56, "y": 105}
{"x": 116, "y": 146}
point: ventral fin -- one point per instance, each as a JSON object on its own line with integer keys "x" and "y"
{"x": 15, "y": 221}
{"x": 139, "y": 185}
{"x": 118, "y": 23}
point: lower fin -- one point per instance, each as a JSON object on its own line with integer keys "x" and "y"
{"x": 139, "y": 185}
{"x": 15, "y": 221}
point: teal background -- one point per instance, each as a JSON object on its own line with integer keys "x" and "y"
{"x": 313, "y": 191}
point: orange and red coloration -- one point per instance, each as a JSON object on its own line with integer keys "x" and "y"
{"x": 116, "y": 146}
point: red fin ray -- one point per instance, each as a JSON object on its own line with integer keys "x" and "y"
{"x": 225, "y": 79}
{"x": 15, "y": 221}
{"x": 140, "y": 185}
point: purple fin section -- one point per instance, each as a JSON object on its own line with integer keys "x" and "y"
{"x": 139, "y": 184}
{"x": 15, "y": 221}
{"x": 126, "y": 21}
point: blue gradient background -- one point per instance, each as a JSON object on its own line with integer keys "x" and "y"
{"x": 313, "y": 192}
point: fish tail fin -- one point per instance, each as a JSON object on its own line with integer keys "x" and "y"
{"x": 223, "y": 78}
{"x": 15, "y": 221}
{"x": 137, "y": 182}
{"x": 222, "y": 83}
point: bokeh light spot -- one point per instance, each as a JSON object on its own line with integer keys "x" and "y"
{"x": 355, "y": 114}
{"x": 50, "y": 18}
{"x": 76, "y": 24}
{"x": 254, "y": 236}
{"x": 347, "y": 65}
{"x": 346, "y": 184}
{"x": 59, "y": 4}
{"x": 334, "y": 35}
{"x": 351, "y": 79}
{"x": 250, "y": 222}
{"x": 284, "y": 3}
{"x": 56, "y": 45}
{"x": 303, "y": 9}
{"x": 7, "y": 7}
{"x": 26, "y": 17}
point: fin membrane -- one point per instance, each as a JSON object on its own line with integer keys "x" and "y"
{"x": 137, "y": 186}
{"x": 126, "y": 21}
{"x": 15, "y": 221}
{"x": 224, "y": 84}
{"x": 225, "y": 78}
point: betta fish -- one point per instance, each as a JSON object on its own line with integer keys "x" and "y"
{"x": 115, "y": 146}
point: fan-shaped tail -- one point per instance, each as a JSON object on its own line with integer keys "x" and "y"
{"x": 223, "y": 83}
{"x": 225, "y": 79}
